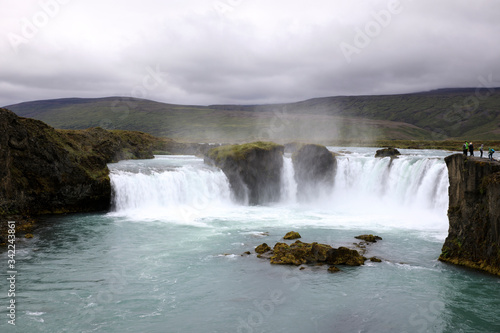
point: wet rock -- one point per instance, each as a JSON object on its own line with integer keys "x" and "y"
{"x": 344, "y": 256}
{"x": 300, "y": 253}
{"x": 369, "y": 238}
{"x": 387, "y": 152}
{"x": 314, "y": 167}
{"x": 292, "y": 235}
{"x": 375, "y": 259}
{"x": 262, "y": 248}
{"x": 333, "y": 269}
{"x": 253, "y": 170}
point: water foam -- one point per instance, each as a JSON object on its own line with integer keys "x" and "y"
{"x": 409, "y": 192}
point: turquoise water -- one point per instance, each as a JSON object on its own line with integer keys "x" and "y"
{"x": 174, "y": 262}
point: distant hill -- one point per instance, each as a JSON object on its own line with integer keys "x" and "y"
{"x": 469, "y": 113}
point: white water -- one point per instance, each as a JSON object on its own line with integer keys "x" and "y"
{"x": 408, "y": 192}
{"x": 180, "y": 188}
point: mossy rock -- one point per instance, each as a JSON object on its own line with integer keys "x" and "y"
{"x": 240, "y": 152}
{"x": 292, "y": 235}
{"x": 369, "y": 238}
{"x": 28, "y": 236}
{"x": 253, "y": 170}
{"x": 344, "y": 256}
{"x": 262, "y": 248}
{"x": 387, "y": 152}
{"x": 300, "y": 253}
{"x": 333, "y": 269}
{"x": 375, "y": 259}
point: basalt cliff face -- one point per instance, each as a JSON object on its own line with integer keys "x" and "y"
{"x": 44, "y": 171}
{"x": 253, "y": 170}
{"x": 474, "y": 214}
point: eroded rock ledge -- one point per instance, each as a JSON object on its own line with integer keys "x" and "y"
{"x": 474, "y": 213}
{"x": 253, "y": 170}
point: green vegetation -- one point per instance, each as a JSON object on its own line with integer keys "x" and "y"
{"x": 239, "y": 152}
{"x": 433, "y": 116}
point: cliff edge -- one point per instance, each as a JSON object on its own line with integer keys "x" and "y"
{"x": 46, "y": 171}
{"x": 474, "y": 213}
{"x": 253, "y": 170}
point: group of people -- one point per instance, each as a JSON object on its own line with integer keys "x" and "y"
{"x": 469, "y": 147}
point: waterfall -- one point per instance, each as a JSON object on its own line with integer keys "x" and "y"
{"x": 181, "y": 192}
{"x": 288, "y": 183}
{"x": 187, "y": 189}
{"x": 406, "y": 183}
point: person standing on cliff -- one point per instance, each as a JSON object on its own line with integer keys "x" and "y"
{"x": 465, "y": 148}
{"x": 471, "y": 149}
{"x": 481, "y": 149}
{"x": 490, "y": 154}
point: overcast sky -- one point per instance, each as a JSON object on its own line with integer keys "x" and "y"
{"x": 244, "y": 51}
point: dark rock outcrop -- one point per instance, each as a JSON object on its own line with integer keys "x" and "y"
{"x": 43, "y": 170}
{"x": 253, "y": 170}
{"x": 299, "y": 253}
{"x": 387, "y": 152}
{"x": 38, "y": 175}
{"x": 474, "y": 214}
{"x": 315, "y": 168}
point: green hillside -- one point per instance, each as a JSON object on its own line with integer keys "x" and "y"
{"x": 449, "y": 113}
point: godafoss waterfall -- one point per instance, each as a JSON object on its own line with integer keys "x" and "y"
{"x": 176, "y": 253}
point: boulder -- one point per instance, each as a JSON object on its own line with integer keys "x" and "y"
{"x": 333, "y": 269}
{"x": 344, "y": 256}
{"x": 387, "y": 152}
{"x": 253, "y": 170}
{"x": 292, "y": 235}
{"x": 314, "y": 167}
{"x": 262, "y": 248}
{"x": 369, "y": 238}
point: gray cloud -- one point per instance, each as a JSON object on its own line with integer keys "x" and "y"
{"x": 246, "y": 51}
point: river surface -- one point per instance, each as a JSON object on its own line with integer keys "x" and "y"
{"x": 169, "y": 256}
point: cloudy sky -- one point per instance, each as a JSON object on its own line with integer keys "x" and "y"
{"x": 244, "y": 51}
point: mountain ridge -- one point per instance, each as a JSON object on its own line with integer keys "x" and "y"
{"x": 448, "y": 113}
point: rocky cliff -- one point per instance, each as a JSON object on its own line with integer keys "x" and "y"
{"x": 315, "y": 168}
{"x": 43, "y": 170}
{"x": 474, "y": 213}
{"x": 253, "y": 170}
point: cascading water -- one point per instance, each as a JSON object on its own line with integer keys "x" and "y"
{"x": 407, "y": 181}
{"x": 178, "y": 190}
{"x": 412, "y": 187}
